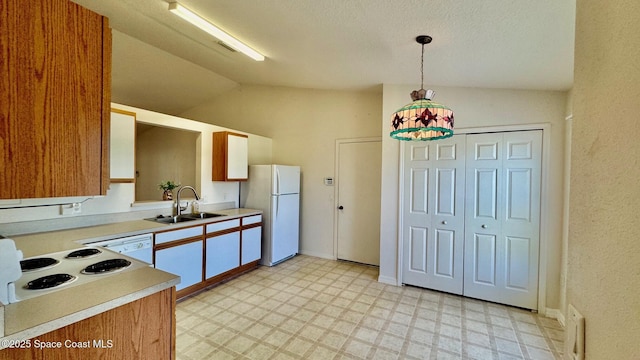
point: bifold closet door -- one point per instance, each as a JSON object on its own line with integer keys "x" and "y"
{"x": 502, "y": 209}
{"x": 433, "y": 214}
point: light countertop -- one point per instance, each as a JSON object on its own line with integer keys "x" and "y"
{"x": 54, "y": 241}
{"x": 36, "y": 316}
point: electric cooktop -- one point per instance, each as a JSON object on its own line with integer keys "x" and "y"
{"x": 62, "y": 270}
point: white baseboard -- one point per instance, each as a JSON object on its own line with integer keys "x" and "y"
{"x": 388, "y": 280}
{"x": 555, "y": 314}
{"x": 318, "y": 255}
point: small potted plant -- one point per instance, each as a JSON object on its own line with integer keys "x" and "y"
{"x": 167, "y": 188}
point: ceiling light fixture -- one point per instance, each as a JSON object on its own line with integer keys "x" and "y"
{"x": 214, "y": 31}
{"x": 422, "y": 119}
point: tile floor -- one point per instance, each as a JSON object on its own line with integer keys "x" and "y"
{"x": 311, "y": 308}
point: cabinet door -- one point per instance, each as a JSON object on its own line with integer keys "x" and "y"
{"x": 237, "y": 156}
{"x": 123, "y": 146}
{"x": 230, "y": 156}
{"x": 183, "y": 260}
{"x": 251, "y": 245}
{"x": 55, "y": 84}
{"x": 223, "y": 254}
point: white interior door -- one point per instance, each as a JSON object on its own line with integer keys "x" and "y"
{"x": 358, "y": 218}
{"x": 503, "y": 217}
{"x": 433, "y": 214}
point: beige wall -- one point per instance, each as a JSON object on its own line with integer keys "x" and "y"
{"x": 163, "y": 154}
{"x": 603, "y": 278}
{"x": 477, "y": 108}
{"x": 304, "y": 125}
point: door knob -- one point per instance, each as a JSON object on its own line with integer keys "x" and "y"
{"x": 444, "y": 222}
{"x": 484, "y": 226}
{"x": 340, "y": 207}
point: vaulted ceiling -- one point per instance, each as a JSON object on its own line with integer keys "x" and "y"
{"x": 162, "y": 63}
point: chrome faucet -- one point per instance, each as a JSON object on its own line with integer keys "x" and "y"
{"x": 179, "y": 208}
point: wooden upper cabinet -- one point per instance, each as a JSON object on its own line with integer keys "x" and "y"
{"x": 230, "y": 156}
{"x": 55, "y": 85}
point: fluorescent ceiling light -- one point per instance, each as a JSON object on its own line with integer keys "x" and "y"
{"x": 212, "y": 30}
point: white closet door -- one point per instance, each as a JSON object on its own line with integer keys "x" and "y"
{"x": 502, "y": 217}
{"x": 433, "y": 214}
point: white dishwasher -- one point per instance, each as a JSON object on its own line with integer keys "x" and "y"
{"x": 139, "y": 247}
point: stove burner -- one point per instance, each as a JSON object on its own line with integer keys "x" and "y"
{"x": 106, "y": 266}
{"x": 49, "y": 281}
{"x": 83, "y": 253}
{"x": 37, "y": 263}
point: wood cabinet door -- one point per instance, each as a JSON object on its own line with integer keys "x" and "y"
{"x": 54, "y": 100}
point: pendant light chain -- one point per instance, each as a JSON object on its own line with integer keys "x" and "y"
{"x": 422, "y": 69}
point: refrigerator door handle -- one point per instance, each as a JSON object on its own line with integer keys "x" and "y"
{"x": 277, "y": 189}
{"x": 277, "y": 206}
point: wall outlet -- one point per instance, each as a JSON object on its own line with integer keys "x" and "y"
{"x": 574, "y": 340}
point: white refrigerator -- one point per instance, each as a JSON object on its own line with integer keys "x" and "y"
{"x": 275, "y": 189}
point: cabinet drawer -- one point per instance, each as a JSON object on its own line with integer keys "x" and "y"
{"x": 223, "y": 225}
{"x": 178, "y": 234}
{"x": 252, "y": 219}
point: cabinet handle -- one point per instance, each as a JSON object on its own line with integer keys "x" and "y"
{"x": 444, "y": 222}
{"x": 340, "y": 207}
{"x": 484, "y": 226}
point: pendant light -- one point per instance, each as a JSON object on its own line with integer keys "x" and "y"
{"x": 423, "y": 119}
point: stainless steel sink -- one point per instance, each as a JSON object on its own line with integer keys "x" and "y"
{"x": 172, "y": 219}
{"x": 183, "y": 218}
{"x": 202, "y": 215}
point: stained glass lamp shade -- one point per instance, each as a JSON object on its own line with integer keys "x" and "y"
{"x": 422, "y": 119}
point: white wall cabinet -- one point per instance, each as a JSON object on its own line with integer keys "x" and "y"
{"x": 230, "y": 161}
{"x": 123, "y": 146}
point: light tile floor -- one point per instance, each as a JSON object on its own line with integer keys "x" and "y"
{"x": 311, "y": 308}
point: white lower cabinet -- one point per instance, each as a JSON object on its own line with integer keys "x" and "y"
{"x": 200, "y": 253}
{"x": 223, "y": 254}
{"x": 183, "y": 260}
{"x": 251, "y": 245}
